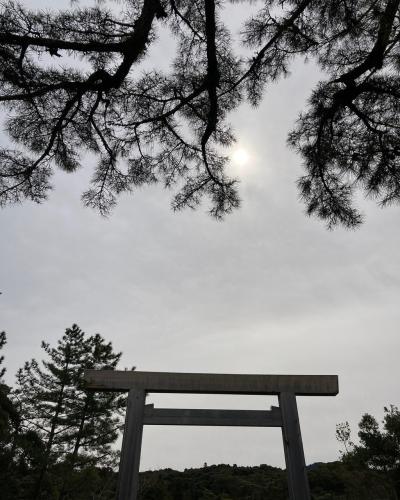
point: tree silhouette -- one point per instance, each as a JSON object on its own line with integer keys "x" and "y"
{"x": 3, "y": 341}
{"x": 172, "y": 126}
{"x": 378, "y": 448}
{"x": 77, "y": 428}
{"x": 7, "y": 411}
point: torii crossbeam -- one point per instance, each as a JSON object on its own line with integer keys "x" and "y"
{"x": 286, "y": 387}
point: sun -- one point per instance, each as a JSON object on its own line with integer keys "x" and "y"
{"x": 240, "y": 157}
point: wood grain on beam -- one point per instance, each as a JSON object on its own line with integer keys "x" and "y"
{"x": 210, "y": 383}
{"x": 238, "y": 418}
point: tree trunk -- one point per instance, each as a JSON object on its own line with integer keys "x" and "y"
{"x": 76, "y": 448}
{"x": 49, "y": 445}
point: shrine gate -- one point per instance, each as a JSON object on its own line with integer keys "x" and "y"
{"x": 285, "y": 416}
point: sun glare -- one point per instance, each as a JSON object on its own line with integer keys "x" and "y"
{"x": 240, "y": 157}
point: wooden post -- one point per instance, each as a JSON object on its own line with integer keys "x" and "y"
{"x": 293, "y": 446}
{"x": 128, "y": 479}
{"x": 286, "y": 387}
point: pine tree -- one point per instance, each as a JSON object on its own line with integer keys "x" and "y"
{"x": 172, "y": 126}
{"x": 9, "y": 418}
{"x": 378, "y": 448}
{"x": 43, "y": 391}
{"x": 5, "y": 403}
{"x": 97, "y": 416}
{"x": 3, "y": 341}
{"x": 73, "y": 424}
{"x": 16, "y": 449}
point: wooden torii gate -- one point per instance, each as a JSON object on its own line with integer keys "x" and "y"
{"x": 286, "y": 387}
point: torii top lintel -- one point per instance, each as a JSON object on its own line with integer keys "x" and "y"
{"x": 211, "y": 383}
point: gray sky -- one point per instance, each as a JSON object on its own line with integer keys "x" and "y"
{"x": 266, "y": 291}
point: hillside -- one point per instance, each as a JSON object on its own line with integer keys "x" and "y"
{"x": 330, "y": 481}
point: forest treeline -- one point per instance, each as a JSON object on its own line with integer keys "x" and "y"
{"x": 57, "y": 442}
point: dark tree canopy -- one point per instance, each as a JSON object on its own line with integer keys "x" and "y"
{"x": 3, "y": 341}
{"x": 76, "y": 428}
{"x": 379, "y": 446}
{"x": 171, "y": 127}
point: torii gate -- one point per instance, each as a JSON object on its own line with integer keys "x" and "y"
{"x": 286, "y": 387}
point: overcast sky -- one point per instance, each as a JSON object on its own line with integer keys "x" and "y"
{"x": 267, "y": 290}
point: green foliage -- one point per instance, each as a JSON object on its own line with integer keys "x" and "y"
{"x": 6, "y": 407}
{"x": 20, "y": 452}
{"x": 9, "y": 415}
{"x": 218, "y": 482}
{"x": 64, "y": 433}
{"x": 331, "y": 481}
{"x": 56, "y": 443}
{"x": 342, "y": 481}
{"x": 379, "y": 446}
{"x": 3, "y": 341}
{"x": 367, "y": 471}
